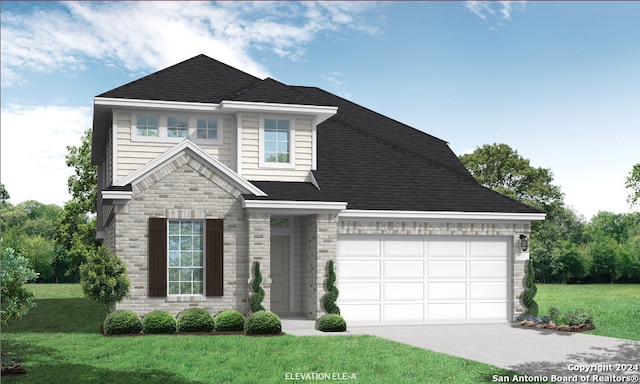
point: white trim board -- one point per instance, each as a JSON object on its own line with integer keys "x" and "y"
{"x": 358, "y": 214}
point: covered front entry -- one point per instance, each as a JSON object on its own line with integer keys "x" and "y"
{"x": 280, "y": 273}
{"x": 396, "y": 279}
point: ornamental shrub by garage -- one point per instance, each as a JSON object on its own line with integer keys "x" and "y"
{"x": 263, "y": 323}
{"x": 195, "y": 320}
{"x": 329, "y": 299}
{"x": 229, "y": 320}
{"x": 158, "y": 322}
{"x": 331, "y": 323}
{"x": 530, "y": 292}
{"x": 255, "y": 301}
{"x": 122, "y": 322}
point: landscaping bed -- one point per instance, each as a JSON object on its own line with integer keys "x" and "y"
{"x": 572, "y": 321}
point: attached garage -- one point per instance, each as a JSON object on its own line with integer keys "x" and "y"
{"x": 395, "y": 279}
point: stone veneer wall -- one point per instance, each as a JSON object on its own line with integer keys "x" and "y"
{"x": 512, "y": 230}
{"x": 184, "y": 188}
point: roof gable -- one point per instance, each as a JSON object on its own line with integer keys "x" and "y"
{"x": 199, "y": 79}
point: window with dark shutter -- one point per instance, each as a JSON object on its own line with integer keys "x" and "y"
{"x": 157, "y": 257}
{"x": 214, "y": 257}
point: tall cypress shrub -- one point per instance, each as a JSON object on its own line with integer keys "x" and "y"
{"x": 329, "y": 299}
{"x": 255, "y": 301}
{"x": 530, "y": 292}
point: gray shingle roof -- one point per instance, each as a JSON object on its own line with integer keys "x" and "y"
{"x": 365, "y": 159}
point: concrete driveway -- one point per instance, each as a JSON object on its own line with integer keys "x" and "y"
{"x": 542, "y": 354}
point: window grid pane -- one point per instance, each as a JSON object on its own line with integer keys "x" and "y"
{"x": 207, "y": 129}
{"x": 186, "y": 250}
{"x": 147, "y": 125}
{"x": 276, "y": 141}
{"x": 177, "y": 127}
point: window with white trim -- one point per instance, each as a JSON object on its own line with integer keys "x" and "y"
{"x": 207, "y": 129}
{"x": 147, "y": 125}
{"x": 186, "y": 257}
{"x": 177, "y": 126}
{"x": 277, "y": 141}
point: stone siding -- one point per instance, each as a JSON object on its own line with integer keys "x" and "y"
{"x": 183, "y": 188}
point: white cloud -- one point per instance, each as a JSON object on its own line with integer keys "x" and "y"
{"x": 33, "y": 143}
{"x": 143, "y": 36}
{"x": 495, "y": 11}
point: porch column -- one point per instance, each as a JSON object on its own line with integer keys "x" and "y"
{"x": 322, "y": 246}
{"x": 259, "y": 246}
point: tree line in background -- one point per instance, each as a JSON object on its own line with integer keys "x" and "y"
{"x": 565, "y": 247}
{"x": 55, "y": 240}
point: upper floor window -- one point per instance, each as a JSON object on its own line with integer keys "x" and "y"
{"x": 147, "y": 125}
{"x": 276, "y": 141}
{"x": 177, "y": 127}
{"x": 207, "y": 129}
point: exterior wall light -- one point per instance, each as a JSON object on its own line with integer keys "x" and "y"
{"x": 524, "y": 242}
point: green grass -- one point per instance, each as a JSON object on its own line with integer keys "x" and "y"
{"x": 616, "y": 307}
{"x": 59, "y": 342}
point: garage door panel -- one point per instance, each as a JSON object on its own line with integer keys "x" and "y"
{"x": 359, "y": 248}
{"x": 359, "y": 269}
{"x": 488, "y": 290}
{"x": 361, "y": 313}
{"x": 446, "y": 312}
{"x": 487, "y": 269}
{"x": 403, "y": 313}
{"x": 447, "y": 291}
{"x": 441, "y": 248}
{"x": 350, "y": 292}
{"x": 403, "y": 269}
{"x": 404, "y": 291}
{"x": 486, "y": 248}
{"x": 487, "y": 311}
{"x": 403, "y": 248}
{"x": 447, "y": 269}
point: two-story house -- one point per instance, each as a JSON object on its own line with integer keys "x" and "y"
{"x": 205, "y": 170}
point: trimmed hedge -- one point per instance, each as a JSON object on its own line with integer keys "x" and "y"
{"x": 263, "y": 323}
{"x": 195, "y": 320}
{"x": 229, "y": 320}
{"x": 122, "y": 322}
{"x": 331, "y": 323}
{"x": 159, "y": 322}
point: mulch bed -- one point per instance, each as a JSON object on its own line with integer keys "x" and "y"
{"x": 555, "y": 327}
{"x": 13, "y": 370}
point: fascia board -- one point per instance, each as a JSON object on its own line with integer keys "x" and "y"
{"x": 439, "y": 215}
{"x": 155, "y": 104}
{"x": 321, "y": 112}
{"x": 187, "y": 144}
{"x": 293, "y": 207}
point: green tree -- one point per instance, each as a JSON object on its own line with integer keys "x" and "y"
{"x": 41, "y": 253}
{"x": 502, "y": 169}
{"x": 14, "y": 272}
{"x": 104, "y": 277}
{"x": 604, "y": 253}
{"x": 75, "y": 234}
{"x": 633, "y": 183}
{"x": 83, "y": 184}
{"x": 568, "y": 261}
{"x": 4, "y": 195}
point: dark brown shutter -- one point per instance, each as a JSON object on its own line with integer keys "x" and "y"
{"x": 157, "y": 257}
{"x": 214, "y": 261}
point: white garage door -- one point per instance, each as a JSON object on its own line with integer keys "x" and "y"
{"x": 418, "y": 280}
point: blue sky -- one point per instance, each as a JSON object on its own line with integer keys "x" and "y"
{"x": 557, "y": 81}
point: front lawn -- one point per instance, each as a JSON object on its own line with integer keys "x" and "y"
{"x": 616, "y": 307}
{"x": 59, "y": 342}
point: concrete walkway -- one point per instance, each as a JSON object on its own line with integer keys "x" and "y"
{"x": 531, "y": 351}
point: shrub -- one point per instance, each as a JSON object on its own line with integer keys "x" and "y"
{"x": 263, "y": 323}
{"x": 329, "y": 299}
{"x": 229, "y": 320}
{"x": 529, "y": 292}
{"x": 122, "y": 322}
{"x": 331, "y": 323}
{"x": 159, "y": 322}
{"x": 104, "y": 277}
{"x": 577, "y": 318}
{"x": 195, "y": 320}
{"x": 14, "y": 272}
{"x": 555, "y": 314}
{"x": 255, "y": 301}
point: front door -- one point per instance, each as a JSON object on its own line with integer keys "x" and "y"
{"x": 280, "y": 278}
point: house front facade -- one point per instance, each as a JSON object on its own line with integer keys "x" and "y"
{"x": 205, "y": 170}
